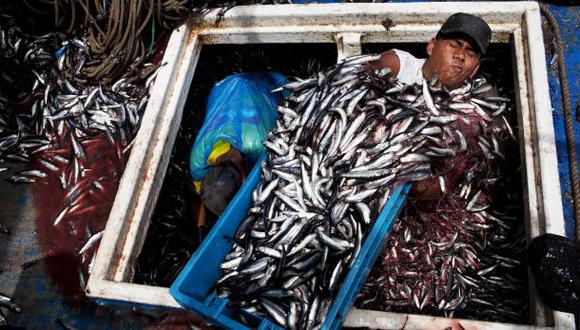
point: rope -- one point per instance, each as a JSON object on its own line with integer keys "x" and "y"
{"x": 57, "y": 18}
{"x": 71, "y": 26}
{"x": 567, "y": 109}
{"x": 32, "y": 8}
{"x": 114, "y": 29}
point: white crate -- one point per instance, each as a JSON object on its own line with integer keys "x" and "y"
{"x": 347, "y": 25}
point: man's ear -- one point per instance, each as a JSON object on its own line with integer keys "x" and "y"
{"x": 475, "y": 70}
{"x": 430, "y": 46}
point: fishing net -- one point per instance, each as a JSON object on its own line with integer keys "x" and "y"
{"x": 117, "y": 32}
{"x": 448, "y": 257}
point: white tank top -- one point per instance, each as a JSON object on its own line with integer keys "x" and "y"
{"x": 410, "y": 68}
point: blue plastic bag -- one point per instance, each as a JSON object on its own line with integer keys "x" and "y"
{"x": 241, "y": 109}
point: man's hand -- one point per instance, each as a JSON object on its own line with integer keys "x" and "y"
{"x": 427, "y": 190}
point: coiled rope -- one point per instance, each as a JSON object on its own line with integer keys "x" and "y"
{"x": 114, "y": 29}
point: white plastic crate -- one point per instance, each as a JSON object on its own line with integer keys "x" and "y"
{"x": 348, "y": 26}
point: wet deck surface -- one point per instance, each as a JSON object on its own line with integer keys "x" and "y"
{"x": 40, "y": 266}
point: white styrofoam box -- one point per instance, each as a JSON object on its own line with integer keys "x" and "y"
{"x": 347, "y": 25}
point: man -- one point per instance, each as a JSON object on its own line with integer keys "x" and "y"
{"x": 454, "y": 57}
{"x": 454, "y": 54}
{"x": 241, "y": 109}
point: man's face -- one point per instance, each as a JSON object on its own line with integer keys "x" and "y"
{"x": 453, "y": 60}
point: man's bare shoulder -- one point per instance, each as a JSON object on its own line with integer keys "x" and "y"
{"x": 389, "y": 59}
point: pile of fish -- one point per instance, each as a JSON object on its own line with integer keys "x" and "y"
{"x": 461, "y": 255}
{"x": 54, "y": 126}
{"x": 450, "y": 261}
{"x": 342, "y": 141}
{"x": 7, "y": 302}
{"x": 55, "y": 109}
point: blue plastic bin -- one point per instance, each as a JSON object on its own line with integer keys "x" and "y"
{"x": 194, "y": 287}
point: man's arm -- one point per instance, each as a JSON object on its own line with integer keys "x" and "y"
{"x": 427, "y": 189}
{"x": 389, "y": 59}
{"x": 196, "y": 206}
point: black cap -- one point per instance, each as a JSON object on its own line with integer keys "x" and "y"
{"x": 219, "y": 186}
{"x": 467, "y": 24}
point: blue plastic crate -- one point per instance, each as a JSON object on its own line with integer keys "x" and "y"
{"x": 194, "y": 287}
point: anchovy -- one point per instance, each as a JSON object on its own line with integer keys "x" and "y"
{"x": 21, "y": 179}
{"x": 91, "y": 242}
{"x": 35, "y": 173}
{"x": 7, "y": 302}
{"x": 60, "y": 216}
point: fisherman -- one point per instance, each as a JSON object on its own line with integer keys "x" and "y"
{"x": 241, "y": 109}
{"x": 454, "y": 57}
